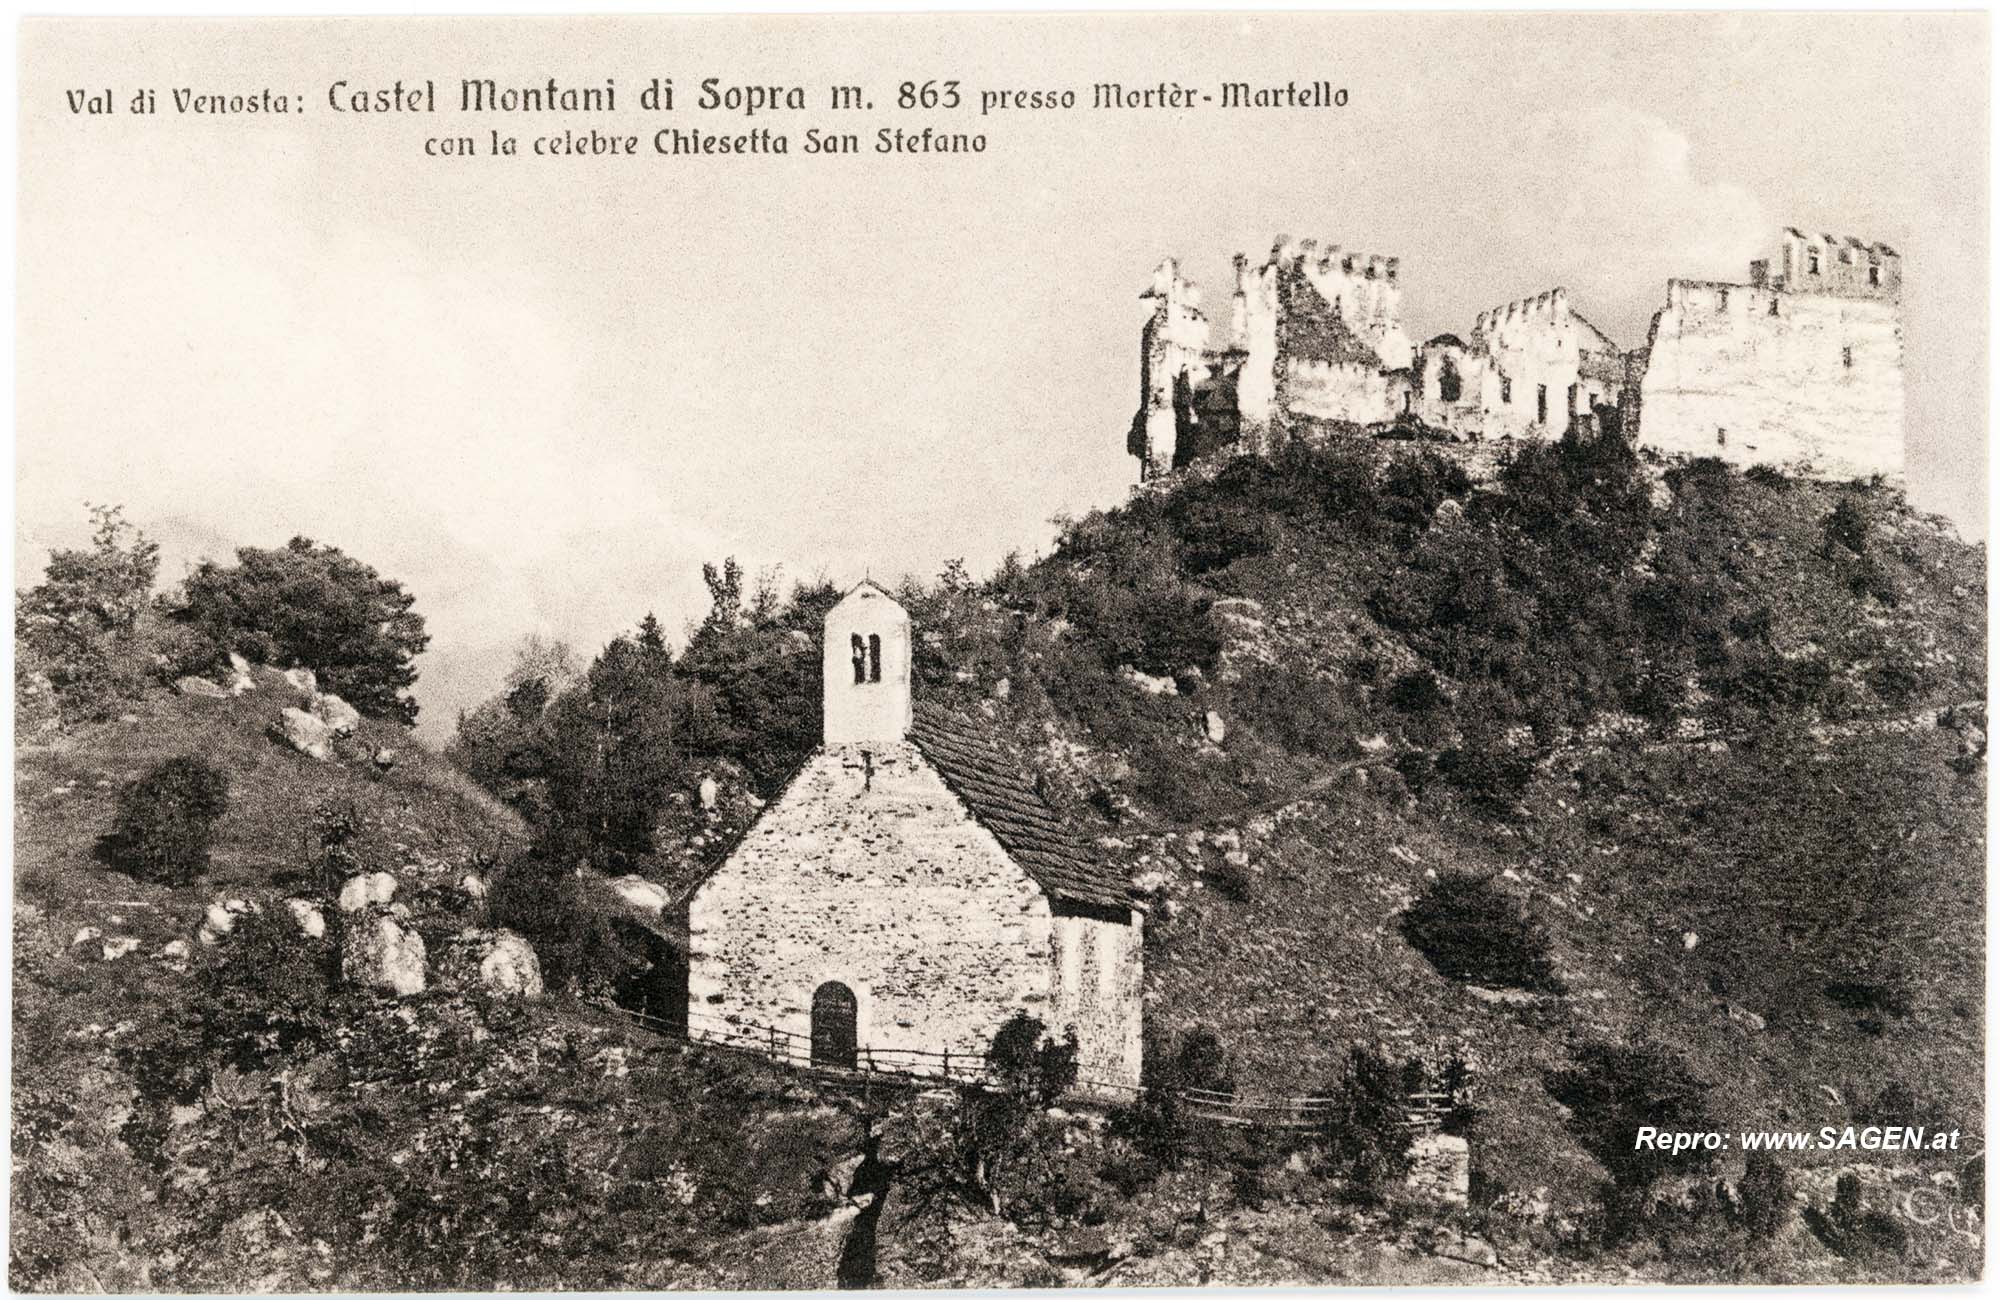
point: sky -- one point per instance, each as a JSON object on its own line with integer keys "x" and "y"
{"x": 541, "y": 392}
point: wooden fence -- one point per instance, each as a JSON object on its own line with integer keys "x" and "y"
{"x": 913, "y": 1068}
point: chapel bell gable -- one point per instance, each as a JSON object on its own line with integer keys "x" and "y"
{"x": 866, "y": 668}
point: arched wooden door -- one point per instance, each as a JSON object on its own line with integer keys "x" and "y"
{"x": 833, "y": 1029}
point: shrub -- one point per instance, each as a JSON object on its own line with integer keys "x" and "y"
{"x": 309, "y": 605}
{"x": 1216, "y": 534}
{"x": 1416, "y": 692}
{"x": 81, "y": 624}
{"x": 1025, "y": 1061}
{"x": 1159, "y": 1126}
{"x": 1767, "y": 1195}
{"x": 1367, "y": 1139}
{"x": 1851, "y": 1230}
{"x": 166, "y": 820}
{"x": 1231, "y": 880}
{"x": 1847, "y": 526}
{"x": 1613, "y": 1091}
{"x": 1472, "y": 931}
{"x": 573, "y": 933}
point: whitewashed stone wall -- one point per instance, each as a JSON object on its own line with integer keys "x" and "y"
{"x": 1098, "y": 977}
{"x": 1533, "y": 381}
{"x": 1757, "y": 376}
{"x": 884, "y": 883}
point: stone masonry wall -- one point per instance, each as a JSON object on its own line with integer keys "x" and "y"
{"x": 1098, "y": 978}
{"x": 871, "y": 872}
{"x": 1757, "y": 376}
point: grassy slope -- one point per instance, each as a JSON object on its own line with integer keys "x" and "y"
{"x": 1312, "y": 958}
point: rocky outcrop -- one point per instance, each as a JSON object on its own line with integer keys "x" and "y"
{"x": 308, "y": 917}
{"x": 510, "y": 966}
{"x": 374, "y": 889}
{"x": 200, "y": 687}
{"x": 340, "y": 717}
{"x": 306, "y": 733}
{"x": 221, "y": 918}
{"x": 380, "y": 953}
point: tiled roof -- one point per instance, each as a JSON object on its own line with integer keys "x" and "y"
{"x": 1031, "y": 832}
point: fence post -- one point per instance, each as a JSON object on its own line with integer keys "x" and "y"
{"x": 773, "y": 1031}
{"x": 947, "y": 1065}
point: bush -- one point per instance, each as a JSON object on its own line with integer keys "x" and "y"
{"x": 1767, "y": 1195}
{"x": 1367, "y": 1139}
{"x": 166, "y": 820}
{"x": 1472, "y": 931}
{"x": 1613, "y": 1091}
{"x": 308, "y": 605}
{"x": 81, "y": 624}
{"x": 1847, "y": 526}
{"x": 1025, "y": 1061}
{"x": 1416, "y": 692}
{"x": 573, "y": 933}
{"x": 1159, "y": 1126}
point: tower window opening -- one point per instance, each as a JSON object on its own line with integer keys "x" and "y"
{"x": 1506, "y": 390}
{"x": 1774, "y": 304}
{"x": 1721, "y": 436}
{"x": 1847, "y": 357}
{"x": 1875, "y": 275}
{"x": 874, "y": 658}
{"x": 1722, "y": 299}
{"x": 860, "y": 660}
{"x": 1812, "y": 261}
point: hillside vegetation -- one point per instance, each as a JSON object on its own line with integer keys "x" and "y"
{"x": 1642, "y": 791}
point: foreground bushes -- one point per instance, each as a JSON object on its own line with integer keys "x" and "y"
{"x": 166, "y": 820}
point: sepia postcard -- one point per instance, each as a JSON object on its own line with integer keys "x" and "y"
{"x": 999, "y": 651}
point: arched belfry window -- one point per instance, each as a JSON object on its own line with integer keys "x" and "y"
{"x": 874, "y": 657}
{"x": 834, "y": 1038}
{"x": 860, "y": 660}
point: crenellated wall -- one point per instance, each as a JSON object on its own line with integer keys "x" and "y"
{"x": 1801, "y": 366}
{"x": 1765, "y": 376}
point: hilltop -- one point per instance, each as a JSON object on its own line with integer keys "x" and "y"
{"x": 1717, "y": 737}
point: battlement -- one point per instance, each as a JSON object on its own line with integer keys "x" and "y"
{"x": 1550, "y": 305}
{"x": 1814, "y": 340}
{"x": 1841, "y": 265}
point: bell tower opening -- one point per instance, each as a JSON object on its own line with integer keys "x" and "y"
{"x": 866, "y": 673}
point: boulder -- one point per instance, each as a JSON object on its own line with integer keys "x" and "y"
{"x": 510, "y": 966}
{"x": 221, "y": 918}
{"x": 240, "y": 679}
{"x": 380, "y": 954}
{"x": 1146, "y": 682}
{"x": 1216, "y": 728}
{"x": 375, "y": 888}
{"x": 1003, "y": 688}
{"x": 385, "y": 760}
{"x": 175, "y": 955}
{"x": 1745, "y": 1017}
{"x": 709, "y": 790}
{"x": 200, "y": 686}
{"x": 339, "y": 716}
{"x": 474, "y": 886}
{"x": 307, "y": 916}
{"x": 118, "y": 947}
{"x": 88, "y": 934}
{"x": 303, "y": 681}
{"x": 641, "y": 894}
{"x": 1449, "y": 1243}
{"x": 306, "y": 733}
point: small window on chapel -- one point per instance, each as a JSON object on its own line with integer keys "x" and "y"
{"x": 1875, "y": 275}
{"x": 1774, "y": 304}
{"x": 1721, "y": 437}
{"x": 1506, "y": 390}
{"x": 874, "y": 658}
{"x": 860, "y": 660}
{"x": 1812, "y": 261}
{"x": 1847, "y": 357}
{"x": 1722, "y": 299}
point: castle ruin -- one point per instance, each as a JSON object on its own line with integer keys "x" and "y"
{"x": 1801, "y": 367}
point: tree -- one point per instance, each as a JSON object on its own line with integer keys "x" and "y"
{"x": 313, "y": 606}
{"x": 166, "y": 820}
{"x": 1612, "y": 1092}
{"x": 1367, "y": 1139}
{"x": 80, "y": 624}
{"x": 610, "y": 761}
{"x": 1472, "y": 931}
